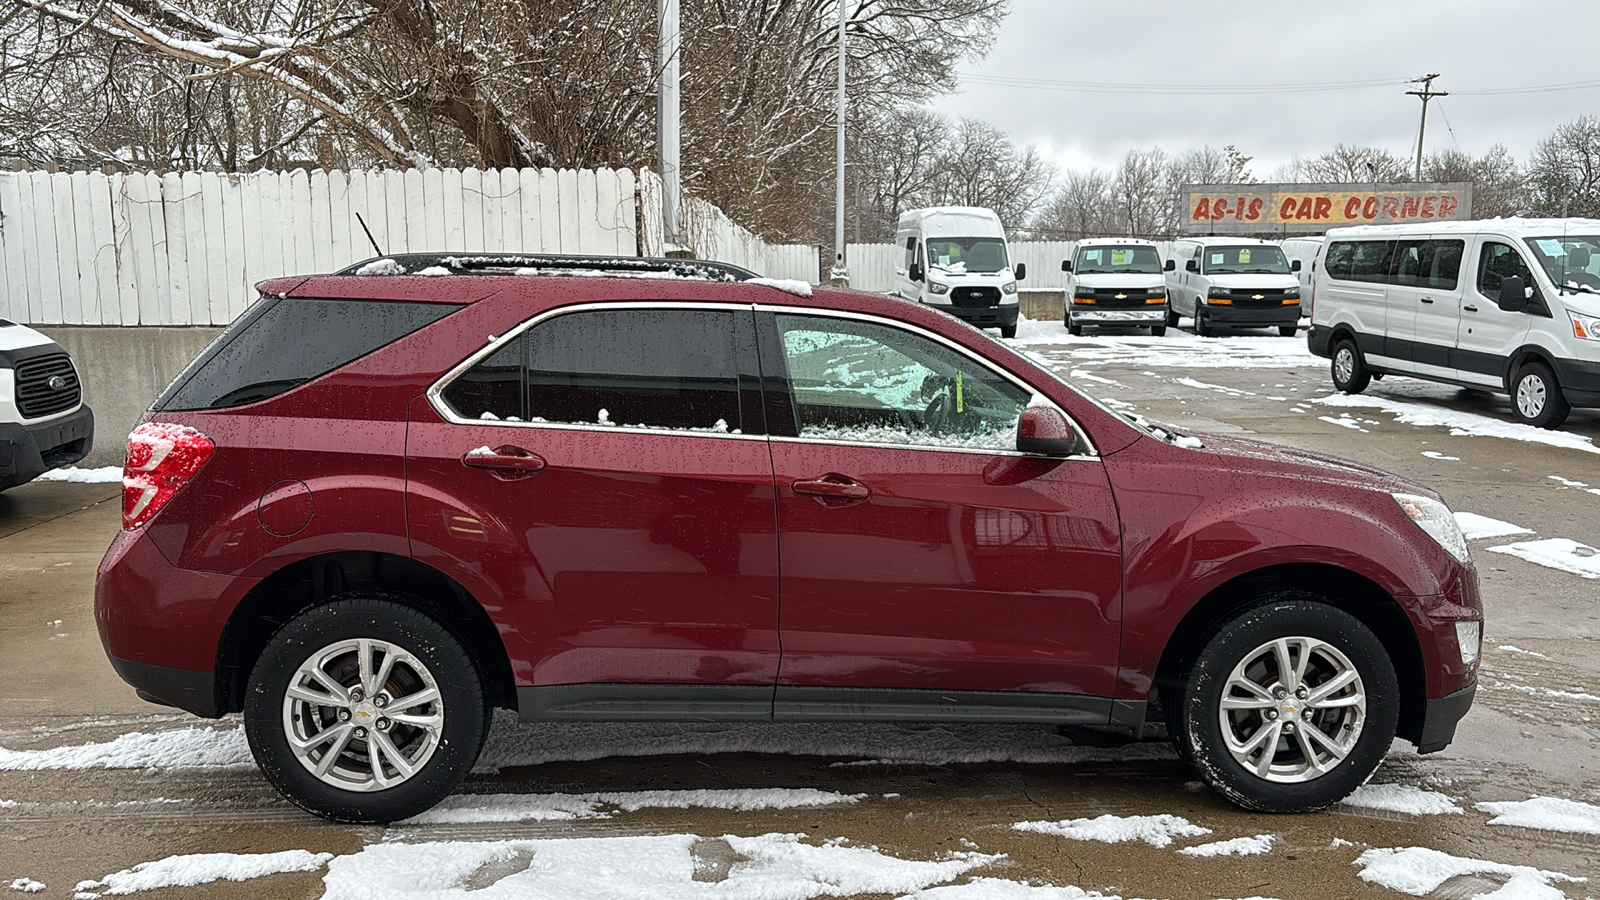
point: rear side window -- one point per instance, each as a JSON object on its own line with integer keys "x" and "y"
{"x": 1369, "y": 261}
{"x": 1428, "y": 264}
{"x": 627, "y": 368}
{"x": 279, "y": 344}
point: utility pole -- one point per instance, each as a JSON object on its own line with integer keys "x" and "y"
{"x": 1427, "y": 93}
{"x": 667, "y": 117}
{"x": 840, "y": 274}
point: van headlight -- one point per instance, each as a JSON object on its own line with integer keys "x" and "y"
{"x": 1585, "y": 327}
{"x": 935, "y": 287}
{"x": 1436, "y": 519}
{"x": 1009, "y": 287}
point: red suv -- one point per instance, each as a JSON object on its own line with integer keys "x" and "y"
{"x": 379, "y": 505}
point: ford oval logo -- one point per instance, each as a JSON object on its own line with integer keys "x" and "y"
{"x": 56, "y": 383}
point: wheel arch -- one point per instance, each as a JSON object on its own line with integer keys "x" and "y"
{"x": 1522, "y": 356}
{"x": 314, "y": 580}
{"x": 1344, "y": 589}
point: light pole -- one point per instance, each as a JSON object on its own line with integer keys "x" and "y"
{"x": 841, "y": 273}
{"x": 667, "y": 117}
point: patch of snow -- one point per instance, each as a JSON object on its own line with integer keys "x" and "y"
{"x": 460, "y": 808}
{"x": 1175, "y": 350}
{"x": 1567, "y": 482}
{"x": 1157, "y": 830}
{"x": 198, "y": 748}
{"x": 8, "y": 804}
{"x": 1187, "y": 442}
{"x": 1402, "y": 799}
{"x": 788, "y": 286}
{"x": 768, "y": 867}
{"x": 1243, "y": 846}
{"x": 1510, "y": 648}
{"x": 1419, "y": 871}
{"x": 203, "y": 868}
{"x": 1556, "y": 553}
{"x": 1475, "y": 527}
{"x": 1221, "y": 389}
{"x": 1434, "y": 454}
{"x": 1346, "y": 422}
{"x": 383, "y": 266}
{"x": 1001, "y": 889}
{"x": 75, "y": 475}
{"x": 1082, "y": 375}
{"x": 1545, "y": 814}
{"x": 27, "y": 885}
{"x": 433, "y": 271}
{"x": 1004, "y": 439}
{"x": 1461, "y": 424}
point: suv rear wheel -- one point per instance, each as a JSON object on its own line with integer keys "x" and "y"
{"x": 365, "y": 710}
{"x": 1290, "y": 706}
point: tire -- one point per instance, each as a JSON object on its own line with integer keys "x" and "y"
{"x": 1349, "y": 370}
{"x": 1073, "y": 328}
{"x": 1202, "y": 325}
{"x": 1297, "y": 773}
{"x": 1172, "y": 318}
{"x": 1288, "y": 330}
{"x": 1536, "y": 398}
{"x": 442, "y": 741}
{"x": 1158, "y": 331}
{"x": 1008, "y": 331}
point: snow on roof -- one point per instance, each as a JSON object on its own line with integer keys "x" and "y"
{"x": 1115, "y": 241}
{"x": 1513, "y": 226}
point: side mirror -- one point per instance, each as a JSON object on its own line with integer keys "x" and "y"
{"x": 1513, "y": 294}
{"x": 1044, "y": 430}
{"x": 916, "y": 272}
{"x": 1020, "y": 270}
{"x": 1294, "y": 265}
{"x": 1066, "y": 265}
{"x": 1171, "y": 266}
{"x": 1192, "y": 265}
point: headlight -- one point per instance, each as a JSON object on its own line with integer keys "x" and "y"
{"x": 935, "y": 287}
{"x": 1585, "y": 327}
{"x": 1292, "y": 294}
{"x": 1435, "y": 518}
{"x": 1469, "y": 638}
{"x": 1009, "y": 287}
{"x": 1219, "y": 292}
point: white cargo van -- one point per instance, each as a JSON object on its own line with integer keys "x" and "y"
{"x": 955, "y": 258}
{"x": 1115, "y": 281}
{"x": 1233, "y": 282}
{"x": 44, "y": 423}
{"x": 1303, "y": 250}
{"x": 1507, "y": 305}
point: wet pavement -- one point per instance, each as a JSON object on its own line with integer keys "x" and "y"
{"x": 1535, "y": 729}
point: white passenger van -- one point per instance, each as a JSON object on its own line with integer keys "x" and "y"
{"x": 955, "y": 258}
{"x": 1508, "y": 305}
{"x": 1303, "y": 250}
{"x": 1232, "y": 282}
{"x": 1115, "y": 281}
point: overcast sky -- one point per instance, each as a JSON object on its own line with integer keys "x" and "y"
{"x": 1475, "y": 45}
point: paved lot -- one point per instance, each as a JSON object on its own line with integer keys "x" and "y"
{"x": 1534, "y": 730}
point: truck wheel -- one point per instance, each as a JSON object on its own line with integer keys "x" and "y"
{"x": 1288, "y": 330}
{"x": 1008, "y": 331}
{"x": 1290, "y": 706}
{"x": 1349, "y": 370}
{"x": 365, "y": 710}
{"x": 1172, "y": 318}
{"x": 1073, "y": 328}
{"x": 1158, "y": 331}
{"x": 1202, "y": 325}
{"x": 1537, "y": 398}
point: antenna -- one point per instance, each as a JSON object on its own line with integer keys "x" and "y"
{"x": 370, "y": 238}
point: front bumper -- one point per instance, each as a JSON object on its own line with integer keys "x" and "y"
{"x": 1439, "y": 718}
{"x": 1251, "y": 317}
{"x": 1580, "y": 381}
{"x": 1150, "y": 315}
{"x": 28, "y": 451}
{"x": 982, "y": 316}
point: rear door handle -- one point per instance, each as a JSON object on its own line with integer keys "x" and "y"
{"x": 1427, "y": 300}
{"x": 506, "y": 462}
{"x": 1469, "y": 308}
{"x": 834, "y": 487}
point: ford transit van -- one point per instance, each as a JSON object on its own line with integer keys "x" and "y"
{"x": 1233, "y": 282}
{"x": 955, "y": 259}
{"x": 1506, "y": 305}
{"x": 1115, "y": 281}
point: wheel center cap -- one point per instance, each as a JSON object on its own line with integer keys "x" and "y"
{"x": 363, "y": 712}
{"x": 1289, "y": 708}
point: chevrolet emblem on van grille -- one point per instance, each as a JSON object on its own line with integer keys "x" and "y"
{"x": 1119, "y": 296}
{"x": 1258, "y": 296}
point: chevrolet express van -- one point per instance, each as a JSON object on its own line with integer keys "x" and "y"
{"x": 1303, "y": 250}
{"x": 1115, "y": 281}
{"x": 1505, "y": 305}
{"x": 956, "y": 260}
{"x": 1233, "y": 282}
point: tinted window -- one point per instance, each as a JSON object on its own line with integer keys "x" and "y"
{"x": 1369, "y": 261}
{"x": 279, "y": 344}
{"x": 629, "y": 368}
{"x": 1498, "y": 262}
{"x": 1338, "y": 262}
{"x": 857, "y": 381}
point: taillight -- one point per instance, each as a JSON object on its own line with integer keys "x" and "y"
{"x": 162, "y": 457}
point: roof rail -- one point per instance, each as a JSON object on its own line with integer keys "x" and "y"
{"x": 546, "y": 263}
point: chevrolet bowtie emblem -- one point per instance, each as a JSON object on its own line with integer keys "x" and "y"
{"x": 1258, "y": 297}
{"x": 1120, "y": 297}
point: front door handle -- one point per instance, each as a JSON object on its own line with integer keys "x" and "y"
{"x": 506, "y": 462}
{"x": 1428, "y": 300}
{"x": 1469, "y": 309}
{"x": 832, "y": 489}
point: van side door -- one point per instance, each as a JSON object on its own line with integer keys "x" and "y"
{"x": 1431, "y": 271}
{"x": 1486, "y": 334}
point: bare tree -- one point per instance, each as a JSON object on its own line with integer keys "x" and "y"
{"x": 1564, "y": 171}
{"x": 1084, "y": 207}
{"x": 981, "y": 167}
{"x": 1347, "y": 164}
{"x": 1143, "y": 193}
{"x": 1499, "y": 186}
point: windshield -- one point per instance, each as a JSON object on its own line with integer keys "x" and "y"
{"x": 967, "y": 254}
{"x": 1257, "y": 260}
{"x": 1119, "y": 261}
{"x": 1571, "y": 261}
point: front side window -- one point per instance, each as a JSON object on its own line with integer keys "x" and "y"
{"x": 1119, "y": 261}
{"x": 1498, "y": 262}
{"x": 1262, "y": 259}
{"x": 858, "y": 381}
{"x": 1571, "y": 261}
{"x": 911, "y": 252}
{"x": 967, "y": 254}
{"x": 625, "y": 368}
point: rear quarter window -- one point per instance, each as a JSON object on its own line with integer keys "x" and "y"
{"x": 279, "y": 344}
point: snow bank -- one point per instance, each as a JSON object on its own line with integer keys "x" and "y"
{"x": 1175, "y": 350}
{"x": 1546, "y": 814}
{"x": 1475, "y": 527}
{"x": 1157, "y": 831}
{"x": 1419, "y": 871}
{"x": 788, "y": 286}
{"x": 1402, "y": 799}
{"x": 1461, "y": 424}
{"x": 769, "y": 867}
{"x": 547, "y": 807}
{"x": 203, "y": 868}
{"x": 75, "y": 475}
{"x": 1243, "y": 846}
{"x": 1556, "y": 553}
{"x": 200, "y": 748}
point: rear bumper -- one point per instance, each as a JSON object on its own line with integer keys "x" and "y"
{"x": 194, "y": 692}
{"x": 28, "y": 451}
{"x": 1239, "y": 317}
{"x": 1439, "y": 718}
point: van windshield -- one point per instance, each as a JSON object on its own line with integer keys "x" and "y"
{"x": 1571, "y": 260}
{"x": 1119, "y": 261}
{"x": 1256, "y": 260}
{"x": 967, "y": 254}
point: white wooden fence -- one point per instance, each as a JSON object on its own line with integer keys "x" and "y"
{"x": 185, "y": 248}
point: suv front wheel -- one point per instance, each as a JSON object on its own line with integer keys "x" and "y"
{"x": 365, "y": 710}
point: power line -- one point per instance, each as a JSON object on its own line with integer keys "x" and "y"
{"x": 1112, "y": 87}
{"x": 1535, "y": 89}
